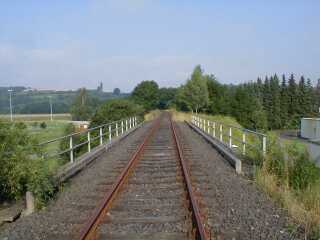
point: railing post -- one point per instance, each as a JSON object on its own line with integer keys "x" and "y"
{"x": 244, "y": 143}
{"x": 101, "y": 135}
{"x": 204, "y": 125}
{"x": 121, "y": 127}
{"x": 208, "y": 127}
{"x": 71, "y": 149}
{"x": 230, "y": 137}
{"x": 214, "y": 129}
{"x": 126, "y": 124}
{"x": 130, "y": 123}
{"x": 221, "y": 129}
{"x": 264, "y": 145}
{"x": 110, "y": 133}
{"x": 117, "y": 132}
{"x": 89, "y": 142}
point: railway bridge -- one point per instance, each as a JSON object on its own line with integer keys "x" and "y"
{"x": 158, "y": 180}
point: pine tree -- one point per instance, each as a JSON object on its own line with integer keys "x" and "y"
{"x": 310, "y": 99}
{"x": 275, "y": 108}
{"x": 293, "y": 102}
{"x": 303, "y": 104}
{"x": 266, "y": 97}
{"x": 284, "y": 100}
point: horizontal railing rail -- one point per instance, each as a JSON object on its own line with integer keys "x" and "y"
{"x": 224, "y": 133}
{"x": 111, "y": 130}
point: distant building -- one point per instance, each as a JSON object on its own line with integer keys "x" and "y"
{"x": 100, "y": 87}
{"x": 310, "y": 128}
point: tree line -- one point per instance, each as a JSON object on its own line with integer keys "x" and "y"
{"x": 271, "y": 103}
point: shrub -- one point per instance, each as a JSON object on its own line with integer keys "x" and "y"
{"x": 116, "y": 109}
{"x": 43, "y": 125}
{"x": 21, "y": 167}
{"x": 275, "y": 161}
{"x": 303, "y": 173}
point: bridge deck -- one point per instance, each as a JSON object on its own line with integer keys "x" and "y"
{"x": 235, "y": 207}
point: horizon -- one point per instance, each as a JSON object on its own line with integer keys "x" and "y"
{"x": 74, "y": 44}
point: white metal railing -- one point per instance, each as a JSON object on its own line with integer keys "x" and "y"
{"x": 99, "y": 134}
{"x": 224, "y": 133}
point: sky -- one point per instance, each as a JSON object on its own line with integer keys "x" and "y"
{"x": 70, "y": 44}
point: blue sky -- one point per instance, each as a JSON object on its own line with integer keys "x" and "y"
{"x": 78, "y": 43}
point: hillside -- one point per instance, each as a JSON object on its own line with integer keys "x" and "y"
{"x": 27, "y": 101}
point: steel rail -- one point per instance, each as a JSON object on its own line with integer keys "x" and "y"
{"x": 200, "y": 228}
{"x": 89, "y": 230}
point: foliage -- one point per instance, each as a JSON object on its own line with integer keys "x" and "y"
{"x": 83, "y": 106}
{"x": 116, "y": 91}
{"x": 116, "y": 109}
{"x": 194, "y": 94}
{"x": 166, "y": 97}
{"x": 65, "y": 143}
{"x": 303, "y": 173}
{"x": 266, "y": 104}
{"x": 43, "y": 125}
{"x": 146, "y": 94}
{"x": 22, "y": 168}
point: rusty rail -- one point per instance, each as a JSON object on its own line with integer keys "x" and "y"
{"x": 89, "y": 230}
{"x": 201, "y": 233}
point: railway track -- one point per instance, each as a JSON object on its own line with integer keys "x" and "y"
{"x": 153, "y": 197}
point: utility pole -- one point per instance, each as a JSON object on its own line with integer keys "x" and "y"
{"x": 51, "y": 118}
{"x": 10, "y": 100}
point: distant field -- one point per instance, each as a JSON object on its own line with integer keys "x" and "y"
{"x": 35, "y": 117}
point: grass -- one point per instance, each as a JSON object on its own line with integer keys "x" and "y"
{"x": 302, "y": 206}
{"x": 53, "y": 130}
{"x": 35, "y": 117}
{"x": 152, "y": 115}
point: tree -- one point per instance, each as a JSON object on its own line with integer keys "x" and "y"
{"x": 195, "y": 92}
{"x": 284, "y": 100}
{"x": 166, "y": 97}
{"x": 218, "y": 96}
{"x": 274, "y": 120}
{"x": 116, "y": 91}
{"x": 83, "y": 106}
{"x": 146, "y": 94}
{"x": 116, "y": 109}
{"x": 247, "y": 108}
{"x": 303, "y": 100}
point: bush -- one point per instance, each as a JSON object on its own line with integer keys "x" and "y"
{"x": 22, "y": 168}
{"x": 116, "y": 109}
{"x": 275, "y": 160}
{"x": 302, "y": 172}
{"x": 65, "y": 143}
{"x": 43, "y": 125}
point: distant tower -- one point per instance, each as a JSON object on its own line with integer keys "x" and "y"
{"x": 100, "y": 87}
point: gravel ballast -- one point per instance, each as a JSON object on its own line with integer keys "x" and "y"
{"x": 236, "y": 208}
